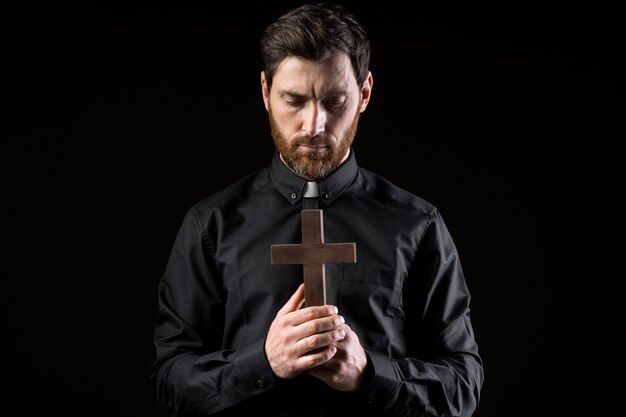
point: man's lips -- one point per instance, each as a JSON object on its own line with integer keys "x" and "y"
{"x": 313, "y": 148}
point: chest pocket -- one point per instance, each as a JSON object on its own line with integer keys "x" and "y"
{"x": 369, "y": 299}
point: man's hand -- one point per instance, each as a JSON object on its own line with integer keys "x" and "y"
{"x": 345, "y": 371}
{"x": 300, "y": 339}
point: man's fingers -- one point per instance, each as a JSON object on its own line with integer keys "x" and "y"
{"x": 322, "y": 318}
{"x": 294, "y": 303}
{"x": 318, "y": 342}
{"x": 316, "y": 359}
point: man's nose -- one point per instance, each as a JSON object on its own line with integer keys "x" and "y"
{"x": 314, "y": 121}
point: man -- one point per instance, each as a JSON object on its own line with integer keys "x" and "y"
{"x": 234, "y": 335}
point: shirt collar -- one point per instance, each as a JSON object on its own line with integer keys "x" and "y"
{"x": 292, "y": 186}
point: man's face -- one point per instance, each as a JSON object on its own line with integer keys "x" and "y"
{"x": 314, "y": 108}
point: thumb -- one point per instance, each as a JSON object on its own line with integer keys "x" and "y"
{"x": 294, "y": 303}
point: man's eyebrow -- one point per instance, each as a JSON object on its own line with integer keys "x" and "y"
{"x": 292, "y": 94}
{"x": 295, "y": 95}
{"x": 336, "y": 92}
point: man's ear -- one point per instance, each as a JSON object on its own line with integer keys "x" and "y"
{"x": 366, "y": 91}
{"x": 265, "y": 90}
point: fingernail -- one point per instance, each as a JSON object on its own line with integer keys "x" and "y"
{"x": 333, "y": 350}
{"x": 341, "y": 334}
{"x": 335, "y": 310}
{"x": 341, "y": 319}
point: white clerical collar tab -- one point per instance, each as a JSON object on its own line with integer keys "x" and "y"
{"x": 311, "y": 190}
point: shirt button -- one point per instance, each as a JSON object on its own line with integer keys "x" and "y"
{"x": 260, "y": 383}
{"x": 327, "y": 196}
{"x": 294, "y": 195}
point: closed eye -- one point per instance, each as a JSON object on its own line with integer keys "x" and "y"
{"x": 334, "y": 102}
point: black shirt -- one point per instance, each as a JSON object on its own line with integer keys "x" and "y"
{"x": 405, "y": 297}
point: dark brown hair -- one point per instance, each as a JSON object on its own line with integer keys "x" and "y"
{"x": 314, "y": 31}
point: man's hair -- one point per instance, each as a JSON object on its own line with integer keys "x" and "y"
{"x": 314, "y": 31}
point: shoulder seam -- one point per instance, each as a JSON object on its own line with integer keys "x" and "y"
{"x": 428, "y": 213}
{"x": 206, "y": 240}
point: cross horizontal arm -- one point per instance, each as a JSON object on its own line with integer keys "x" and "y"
{"x": 314, "y": 253}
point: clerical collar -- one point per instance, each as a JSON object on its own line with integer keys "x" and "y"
{"x": 311, "y": 190}
{"x": 294, "y": 187}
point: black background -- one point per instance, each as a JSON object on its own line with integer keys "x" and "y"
{"x": 118, "y": 116}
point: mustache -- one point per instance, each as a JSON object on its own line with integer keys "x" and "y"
{"x": 312, "y": 140}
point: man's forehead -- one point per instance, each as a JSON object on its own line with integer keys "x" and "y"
{"x": 299, "y": 75}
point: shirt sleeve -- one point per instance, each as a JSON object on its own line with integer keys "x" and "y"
{"x": 444, "y": 375}
{"x": 192, "y": 373}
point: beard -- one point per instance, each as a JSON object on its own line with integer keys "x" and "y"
{"x": 313, "y": 166}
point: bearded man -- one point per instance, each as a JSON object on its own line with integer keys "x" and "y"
{"x": 234, "y": 335}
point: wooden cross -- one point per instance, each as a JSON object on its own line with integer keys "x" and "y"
{"x": 313, "y": 253}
